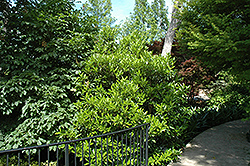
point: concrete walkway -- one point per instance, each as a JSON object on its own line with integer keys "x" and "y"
{"x": 223, "y": 145}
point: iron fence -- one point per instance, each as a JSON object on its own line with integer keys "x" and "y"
{"x": 124, "y": 147}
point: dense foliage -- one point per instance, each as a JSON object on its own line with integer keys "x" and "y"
{"x": 229, "y": 101}
{"x": 60, "y": 80}
{"x": 123, "y": 86}
{"x": 41, "y": 46}
{"x": 217, "y": 33}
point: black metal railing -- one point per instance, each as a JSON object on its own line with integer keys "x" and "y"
{"x": 124, "y": 147}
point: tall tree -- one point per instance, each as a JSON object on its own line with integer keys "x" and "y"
{"x": 217, "y": 33}
{"x": 100, "y": 10}
{"x": 150, "y": 18}
{"x": 169, "y": 38}
{"x": 4, "y": 12}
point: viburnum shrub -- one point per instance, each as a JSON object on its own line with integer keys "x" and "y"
{"x": 123, "y": 85}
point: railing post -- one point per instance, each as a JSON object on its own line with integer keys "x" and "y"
{"x": 66, "y": 155}
{"x": 18, "y": 158}
{"x": 147, "y": 129}
{"x": 7, "y": 159}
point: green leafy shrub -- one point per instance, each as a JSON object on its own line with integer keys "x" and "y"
{"x": 13, "y": 160}
{"x": 232, "y": 97}
{"x": 123, "y": 85}
{"x": 228, "y": 102}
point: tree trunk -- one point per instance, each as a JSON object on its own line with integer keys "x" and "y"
{"x": 5, "y": 10}
{"x": 171, "y": 32}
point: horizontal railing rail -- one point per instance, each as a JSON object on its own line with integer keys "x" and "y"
{"x": 124, "y": 147}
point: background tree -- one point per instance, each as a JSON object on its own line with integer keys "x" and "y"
{"x": 100, "y": 10}
{"x": 4, "y": 12}
{"x": 217, "y": 33}
{"x": 170, "y": 35}
{"x": 150, "y": 18}
{"x": 41, "y": 47}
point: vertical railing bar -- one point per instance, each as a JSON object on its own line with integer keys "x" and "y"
{"x": 134, "y": 148}
{"x": 39, "y": 157}
{"x": 48, "y": 155}
{"x": 122, "y": 147}
{"x": 117, "y": 149}
{"x": 143, "y": 146}
{"x": 75, "y": 153}
{"x": 57, "y": 155}
{"x": 112, "y": 139}
{"x": 101, "y": 153}
{"x": 137, "y": 146}
{"x": 66, "y": 154}
{"x": 130, "y": 147}
{"x": 147, "y": 130}
{"x": 140, "y": 145}
{"x": 18, "y": 158}
{"x": 29, "y": 157}
{"x": 126, "y": 148}
{"x": 89, "y": 153}
{"x": 82, "y": 155}
{"x": 107, "y": 151}
{"x": 7, "y": 159}
{"x": 95, "y": 153}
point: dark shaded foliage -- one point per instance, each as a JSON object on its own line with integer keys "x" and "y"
{"x": 41, "y": 46}
{"x": 217, "y": 33}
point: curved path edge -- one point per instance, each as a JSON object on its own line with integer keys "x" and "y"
{"x": 223, "y": 145}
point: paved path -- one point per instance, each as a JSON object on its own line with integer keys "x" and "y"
{"x": 223, "y": 145}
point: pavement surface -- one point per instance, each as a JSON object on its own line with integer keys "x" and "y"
{"x": 223, "y": 145}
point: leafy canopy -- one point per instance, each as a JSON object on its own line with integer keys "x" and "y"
{"x": 100, "y": 10}
{"x": 42, "y": 43}
{"x": 217, "y": 33}
{"x": 150, "y": 18}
